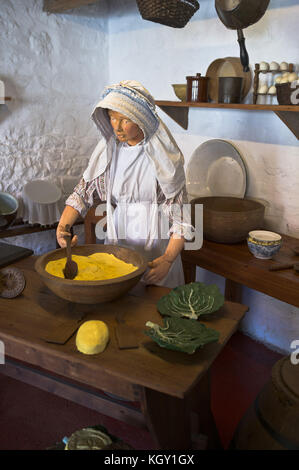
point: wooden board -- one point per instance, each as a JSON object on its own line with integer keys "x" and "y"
{"x": 11, "y": 253}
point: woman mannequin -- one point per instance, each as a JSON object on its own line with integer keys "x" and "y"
{"x": 138, "y": 168}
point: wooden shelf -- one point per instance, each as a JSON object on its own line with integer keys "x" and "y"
{"x": 178, "y": 111}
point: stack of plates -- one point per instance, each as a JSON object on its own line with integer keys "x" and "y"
{"x": 216, "y": 168}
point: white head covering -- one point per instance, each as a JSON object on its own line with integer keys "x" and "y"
{"x": 132, "y": 100}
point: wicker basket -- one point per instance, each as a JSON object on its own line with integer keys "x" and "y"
{"x": 174, "y": 13}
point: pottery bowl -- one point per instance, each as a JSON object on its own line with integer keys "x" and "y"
{"x": 229, "y": 219}
{"x": 8, "y": 210}
{"x": 180, "y": 90}
{"x": 264, "y": 244}
{"x": 92, "y": 292}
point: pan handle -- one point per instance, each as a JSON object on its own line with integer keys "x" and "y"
{"x": 243, "y": 52}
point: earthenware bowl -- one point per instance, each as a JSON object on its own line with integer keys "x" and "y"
{"x": 180, "y": 90}
{"x": 264, "y": 244}
{"x": 229, "y": 219}
{"x": 91, "y": 292}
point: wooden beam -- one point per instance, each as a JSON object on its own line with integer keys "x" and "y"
{"x": 58, "y": 6}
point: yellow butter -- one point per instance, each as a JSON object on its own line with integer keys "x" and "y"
{"x": 92, "y": 337}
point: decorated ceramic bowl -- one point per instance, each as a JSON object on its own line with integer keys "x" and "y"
{"x": 264, "y": 244}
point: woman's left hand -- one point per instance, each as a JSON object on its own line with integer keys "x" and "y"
{"x": 159, "y": 268}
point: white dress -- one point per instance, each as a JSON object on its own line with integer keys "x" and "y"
{"x": 135, "y": 221}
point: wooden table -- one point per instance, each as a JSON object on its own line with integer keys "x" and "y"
{"x": 239, "y": 267}
{"x": 172, "y": 387}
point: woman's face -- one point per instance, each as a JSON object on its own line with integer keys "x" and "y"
{"x": 124, "y": 129}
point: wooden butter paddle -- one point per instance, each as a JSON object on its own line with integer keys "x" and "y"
{"x": 126, "y": 335}
{"x": 71, "y": 268}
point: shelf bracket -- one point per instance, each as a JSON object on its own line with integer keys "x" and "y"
{"x": 178, "y": 114}
{"x": 291, "y": 120}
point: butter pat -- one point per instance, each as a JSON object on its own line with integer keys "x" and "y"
{"x": 92, "y": 337}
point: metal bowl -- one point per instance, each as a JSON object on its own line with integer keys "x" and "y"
{"x": 92, "y": 292}
{"x": 8, "y": 210}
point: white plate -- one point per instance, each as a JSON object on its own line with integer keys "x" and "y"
{"x": 216, "y": 168}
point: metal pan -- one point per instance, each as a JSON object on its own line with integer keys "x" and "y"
{"x": 239, "y": 14}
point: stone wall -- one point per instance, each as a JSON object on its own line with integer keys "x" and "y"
{"x": 54, "y": 67}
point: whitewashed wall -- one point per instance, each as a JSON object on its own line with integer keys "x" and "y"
{"x": 158, "y": 56}
{"x": 55, "y": 67}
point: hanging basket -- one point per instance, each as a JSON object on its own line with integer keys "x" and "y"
{"x": 174, "y": 13}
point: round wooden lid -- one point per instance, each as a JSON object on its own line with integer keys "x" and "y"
{"x": 12, "y": 282}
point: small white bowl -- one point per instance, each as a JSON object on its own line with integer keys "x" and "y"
{"x": 274, "y": 66}
{"x": 292, "y": 77}
{"x": 264, "y": 66}
{"x": 263, "y": 244}
{"x": 284, "y": 66}
{"x": 263, "y": 89}
{"x": 272, "y": 90}
{"x": 265, "y": 236}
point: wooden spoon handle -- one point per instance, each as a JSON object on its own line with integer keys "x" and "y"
{"x": 68, "y": 244}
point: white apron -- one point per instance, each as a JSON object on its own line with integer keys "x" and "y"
{"x": 135, "y": 221}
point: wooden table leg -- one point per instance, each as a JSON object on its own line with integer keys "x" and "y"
{"x": 189, "y": 271}
{"x": 233, "y": 291}
{"x": 168, "y": 420}
{"x": 200, "y": 403}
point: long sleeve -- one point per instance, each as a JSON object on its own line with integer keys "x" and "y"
{"x": 83, "y": 196}
{"x": 177, "y": 210}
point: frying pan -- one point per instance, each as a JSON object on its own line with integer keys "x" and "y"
{"x": 239, "y": 14}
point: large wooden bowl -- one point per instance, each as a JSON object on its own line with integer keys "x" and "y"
{"x": 229, "y": 219}
{"x": 92, "y": 292}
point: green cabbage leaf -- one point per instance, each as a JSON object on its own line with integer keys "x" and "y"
{"x": 182, "y": 335}
{"x": 191, "y": 300}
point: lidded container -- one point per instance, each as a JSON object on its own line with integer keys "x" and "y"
{"x": 197, "y": 88}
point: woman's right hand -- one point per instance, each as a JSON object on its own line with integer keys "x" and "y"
{"x": 61, "y": 233}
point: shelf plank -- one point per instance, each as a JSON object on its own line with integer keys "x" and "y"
{"x": 178, "y": 111}
{"x": 248, "y": 107}
{"x": 58, "y": 6}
